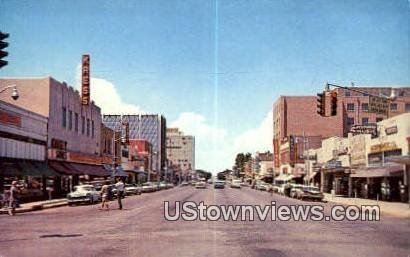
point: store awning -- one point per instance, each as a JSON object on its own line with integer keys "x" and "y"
{"x": 385, "y": 171}
{"x": 20, "y": 167}
{"x": 9, "y": 168}
{"x": 403, "y": 159}
{"x": 284, "y": 177}
{"x": 119, "y": 172}
{"x": 71, "y": 168}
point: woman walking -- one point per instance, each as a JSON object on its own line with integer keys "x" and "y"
{"x": 104, "y": 196}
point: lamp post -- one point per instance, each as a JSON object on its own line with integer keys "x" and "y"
{"x": 15, "y": 94}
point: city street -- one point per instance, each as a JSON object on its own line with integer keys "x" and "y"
{"x": 141, "y": 230}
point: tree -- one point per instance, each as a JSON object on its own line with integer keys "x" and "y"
{"x": 240, "y": 161}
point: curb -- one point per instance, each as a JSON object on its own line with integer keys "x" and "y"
{"x": 37, "y": 207}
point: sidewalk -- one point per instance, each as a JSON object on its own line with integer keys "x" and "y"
{"x": 40, "y": 205}
{"x": 401, "y": 210}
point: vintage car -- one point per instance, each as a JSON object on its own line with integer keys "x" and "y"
{"x": 83, "y": 194}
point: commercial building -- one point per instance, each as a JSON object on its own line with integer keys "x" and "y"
{"x": 180, "y": 151}
{"x": 298, "y": 127}
{"x": 74, "y": 128}
{"x": 23, "y": 140}
{"x": 149, "y": 127}
{"x": 263, "y": 166}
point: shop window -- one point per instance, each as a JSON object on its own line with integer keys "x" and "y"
{"x": 64, "y": 117}
{"x": 350, "y": 121}
{"x": 350, "y": 107}
{"x": 365, "y": 107}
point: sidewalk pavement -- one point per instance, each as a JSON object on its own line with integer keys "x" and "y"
{"x": 401, "y": 210}
{"x": 35, "y": 206}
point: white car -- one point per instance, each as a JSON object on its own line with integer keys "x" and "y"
{"x": 149, "y": 187}
{"x": 131, "y": 189}
{"x": 83, "y": 194}
{"x": 236, "y": 183}
{"x": 200, "y": 184}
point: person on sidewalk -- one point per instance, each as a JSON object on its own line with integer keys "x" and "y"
{"x": 120, "y": 191}
{"x": 12, "y": 197}
{"x": 104, "y": 196}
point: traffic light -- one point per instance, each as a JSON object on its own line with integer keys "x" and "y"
{"x": 3, "y": 44}
{"x": 333, "y": 103}
{"x": 321, "y": 103}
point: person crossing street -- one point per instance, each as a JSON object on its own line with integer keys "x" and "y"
{"x": 120, "y": 191}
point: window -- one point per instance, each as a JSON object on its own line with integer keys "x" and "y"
{"x": 379, "y": 119}
{"x": 350, "y": 107}
{"x": 365, "y": 121}
{"x": 82, "y": 125}
{"x": 88, "y": 127}
{"x": 92, "y": 129}
{"x": 350, "y": 121}
{"x": 64, "y": 117}
{"x": 76, "y": 122}
{"x": 70, "y": 120}
{"x": 365, "y": 107}
{"x": 347, "y": 93}
{"x": 393, "y": 107}
{"x": 407, "y": 107}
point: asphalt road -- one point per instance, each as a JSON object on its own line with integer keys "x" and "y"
{"x": 141, "y": 230}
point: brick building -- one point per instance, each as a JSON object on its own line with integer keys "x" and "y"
{"x": 297, "y": 126}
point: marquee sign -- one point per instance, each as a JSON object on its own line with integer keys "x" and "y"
{"x": 85, "y": 80}
{"x": 364, "y": 129}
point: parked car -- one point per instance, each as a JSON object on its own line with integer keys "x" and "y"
{"x": 149, "y": 187}
{"x": 83, "y": 194}
{"x": 184, "y": 183}
{"x": 219, "y": 184}
{"x": 245, "y": 184}
{"x": 296, "y": 190}
{"x": 262, "y": 186}
{"x": 170, "y": 185}
{"x": 162, "y": 185}
{"x": 210, "y": 181}
{"x": 131, "y": 189}
{"x": 200, "y": 184}
{"x": 310, "y": 192}
{"x": 236, "y": 183}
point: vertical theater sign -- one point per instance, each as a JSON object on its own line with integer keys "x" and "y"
{"x": 85, "y": 80}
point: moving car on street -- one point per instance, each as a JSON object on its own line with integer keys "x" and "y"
{"x": 83, "y": 194}
{"x": 296, "y": 190}
{"x": 236, "y": 183}
{"x": 200, "y": 184}
{"x": 219, "y": 184}
{"x": 311, "y": 193}
{"x": 262, "y": 186}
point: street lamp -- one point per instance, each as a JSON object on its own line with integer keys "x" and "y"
{"x": 15, "y": 94}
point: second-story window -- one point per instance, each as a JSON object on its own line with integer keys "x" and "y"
{"x": 88, "y": 127}
{"x": 76, "y": 122}
{"x": 82, "y": 125}
{"x": 393, "y": 107}
{"x": 365, "y": 107}
{"x": 64, "y": 117}
{"x": 350, "y": 107}
{"x": 70, "y": 120}
{"x": 365, "y": 121}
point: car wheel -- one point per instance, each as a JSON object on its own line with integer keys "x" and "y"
{"x": 91, "y": 201}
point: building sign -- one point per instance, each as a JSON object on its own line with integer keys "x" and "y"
{"x": 378, "y": 105}
{"x": 357, "y": 150}
{"x": 84, "y": 158}
{"x": 332, "y": 164}
{"x": 10, "y": 119}
{"x": 276, "y": 152}
{"x": 391, "y": 130}
{"x": 85, "y": 80}
{"x": 383, "y": 147}
{"x": 364, "y": 129}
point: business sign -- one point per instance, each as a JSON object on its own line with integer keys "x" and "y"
{"x": 383, "y": 147}
{"x": 332, "y": 164}
{"x": 85, "y": 80}
{"x": 364, "y": 129}
{"x": 378, "y": 105}
{"x": 10, "y": 119}
{"x": 276, "y": 152}
{"x": 357, "y": 150}
{"x": 391, "y": 130}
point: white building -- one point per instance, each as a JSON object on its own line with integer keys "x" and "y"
{"x": 180, "y": 150}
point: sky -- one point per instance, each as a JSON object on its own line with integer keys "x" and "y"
{"x": 212, "y": 68}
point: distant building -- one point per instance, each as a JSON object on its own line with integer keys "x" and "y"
{"x": 180, "y": 151}
{"x": 149, "y": 127}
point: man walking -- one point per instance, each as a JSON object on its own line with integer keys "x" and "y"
{"x": 12, "y": 197}
{"x": 120, "y": 191}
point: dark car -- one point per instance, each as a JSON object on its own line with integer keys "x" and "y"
{"x": 219, "y": 184}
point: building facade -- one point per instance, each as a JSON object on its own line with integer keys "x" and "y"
{"x": 180, "y": 150}
{"x": 149, "y": 127}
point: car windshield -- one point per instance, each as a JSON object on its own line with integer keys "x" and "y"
{"x": 312, "y": 189}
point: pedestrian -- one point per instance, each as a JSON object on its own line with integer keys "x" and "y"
{"x": 12, "y": 197}
{"x": 120, "y": 192}
{"x": 104, "y": 196}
